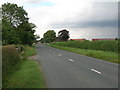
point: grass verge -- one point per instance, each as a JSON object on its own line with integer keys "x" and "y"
{"x": 29, "y": 51}
{"x": 29, "y": 74}
{"x": 103, "y": 55}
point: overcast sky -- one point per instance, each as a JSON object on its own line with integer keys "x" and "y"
{"x": 83, "y": 19}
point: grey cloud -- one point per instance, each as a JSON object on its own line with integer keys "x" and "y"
{"x": 100, "y": 15}
{"x": 100, "y": 33}
{"x": 109, "y": 23}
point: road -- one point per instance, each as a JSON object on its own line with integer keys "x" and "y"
{"x": 63, "y": 69}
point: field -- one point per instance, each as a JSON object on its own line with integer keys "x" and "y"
{"x": 109, "y": 45}
{"x": 104, "y": 50}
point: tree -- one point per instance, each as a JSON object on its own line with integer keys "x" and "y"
{"x": 37, "y": 37}
{"x": 26, "y": 33}
{"x": 42, "y": 40}
{"x": 15, "y": 25}
{"x": 116, "y": 38}
{"x": 13, "y": 14}
{"x": 49, "y": 36}
{"x": 63, "y": 35}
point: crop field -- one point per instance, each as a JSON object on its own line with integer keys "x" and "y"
{"x": 107, "y": 45}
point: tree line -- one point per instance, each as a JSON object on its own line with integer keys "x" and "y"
{"x": 16, "y": 28}
{"x": 50, "y": 36}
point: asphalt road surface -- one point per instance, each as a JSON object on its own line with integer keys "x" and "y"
{"x": 63, "y": 69}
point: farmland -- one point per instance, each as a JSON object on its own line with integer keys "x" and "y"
{"x": 107, "y": 45}
{"x": 104, "y": 50}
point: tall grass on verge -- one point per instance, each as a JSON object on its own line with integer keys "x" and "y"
{"x": 29, "y": 74}
{"x": 107, "y": 45}
{"x": 29, "y": 51}
{"x": 10, "y": 61}
{"x": 0, "y": 66}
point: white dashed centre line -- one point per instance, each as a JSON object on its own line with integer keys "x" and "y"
{"x": 96, "y": 71}
{"x": 59, "y": 54}
{"x": 71, "y": 60}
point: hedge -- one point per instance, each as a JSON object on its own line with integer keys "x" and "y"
{"x": 10, "y": 60}
{"x": 107, "y": 45}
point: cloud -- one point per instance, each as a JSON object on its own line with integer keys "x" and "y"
{"x": 24, "y": 1}
{"x": 74, "y": 16}
{"x": 89, "y": 33}
{"x": 109, "y": 23}
{"x": 99, "y": 15}
{"x": 71, "y": 14}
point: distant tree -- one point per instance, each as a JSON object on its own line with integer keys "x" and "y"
{"x": 37, "y": 37}
{"x": 49, "y": 36}
{"x": 41, "y": 40}
{"x": 63, "y": 35}
{"x": 116, "y": 38}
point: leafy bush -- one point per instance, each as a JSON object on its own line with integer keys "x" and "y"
{"x": 10, "y": 60}
{"x": 108, "y": 45}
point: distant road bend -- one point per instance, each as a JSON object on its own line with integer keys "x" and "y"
{"x": 63, "y": 69}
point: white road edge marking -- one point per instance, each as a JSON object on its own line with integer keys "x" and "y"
{"x": 96, "y": 71}
{"x": 71, "y": 60}
{"x": 59, "y": 54}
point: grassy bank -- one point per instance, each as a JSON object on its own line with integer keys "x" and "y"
{"x": 29, "y": 51}
{"x": 29, "y": 74}
{"x": 103, "y": 55}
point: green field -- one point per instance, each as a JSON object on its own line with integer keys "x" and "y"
{"x": 103, "y": 55}
{"x": 107, "y": 45}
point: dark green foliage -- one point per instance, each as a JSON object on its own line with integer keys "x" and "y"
{"x": 16, "y": 28}
{"x": 63, "y": 35}
{"x": 109, "y": 45}
{"x": 37, "y": 37}
{"x": 49, "y": 36}
{"x": 13, "y": 14}
{"x": 118, "y": 45}
{"x": 10, "y": 60}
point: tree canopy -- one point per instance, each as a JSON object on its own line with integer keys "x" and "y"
{"x": 63, "y": 35}
{"x": 49, "y": 36}
{"x": 16, "y": 28}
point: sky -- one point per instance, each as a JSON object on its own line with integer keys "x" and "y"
{"x": 82, "y": 18}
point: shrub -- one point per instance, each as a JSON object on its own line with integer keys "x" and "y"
{"x": 10, "y": 60}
